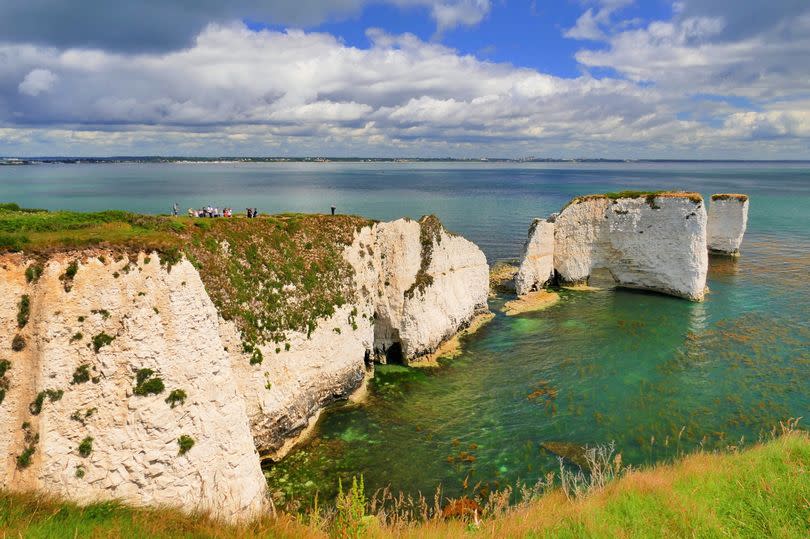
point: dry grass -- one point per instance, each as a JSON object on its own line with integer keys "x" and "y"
{"x": 730, "y": 196}
{"x": 649, "y": 196}
{"x": 763, "y": 491}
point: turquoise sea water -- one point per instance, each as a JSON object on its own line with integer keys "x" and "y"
{"x": 651, "y": 373}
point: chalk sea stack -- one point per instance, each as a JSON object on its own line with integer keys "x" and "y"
{"x": 728, "y": 219}
{"x": 650, "y": 241}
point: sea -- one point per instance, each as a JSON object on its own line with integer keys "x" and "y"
{"x": 649, "y": 375}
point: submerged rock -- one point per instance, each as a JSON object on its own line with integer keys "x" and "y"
{"x": 571, "y": 452}
{"x": 728, "y": 218}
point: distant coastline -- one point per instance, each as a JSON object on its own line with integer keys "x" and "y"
{"x": 22, "y": 161}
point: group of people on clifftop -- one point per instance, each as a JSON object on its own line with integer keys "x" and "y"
{"x": 213, "y": 211}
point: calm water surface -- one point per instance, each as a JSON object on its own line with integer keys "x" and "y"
{"x": 634, "y": 368}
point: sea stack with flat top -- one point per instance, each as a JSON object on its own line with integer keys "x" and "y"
{"x": 728, "y": 218}
{"x": 647, "y": 240}
{"x": 537, "y": 263}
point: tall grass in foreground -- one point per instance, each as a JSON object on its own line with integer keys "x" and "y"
{"x": 762, "y": 491}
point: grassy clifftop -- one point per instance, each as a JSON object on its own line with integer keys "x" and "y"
{"x": 648, "y": 196}
{"x": 270, "y": 275}
{"x": 759, "y": 492}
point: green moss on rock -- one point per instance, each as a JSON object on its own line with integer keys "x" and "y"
{"x": 730, "y": 196}
{"x": 649, "y": 196}
{"x": 430, "y": 234}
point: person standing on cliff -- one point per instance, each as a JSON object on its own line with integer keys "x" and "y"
{"x": 176, "y": 209}
{"x": 333, "y": 210}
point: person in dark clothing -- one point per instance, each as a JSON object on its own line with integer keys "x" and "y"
{"x": 249, "y": 212}
{"x": 333, "y": 210}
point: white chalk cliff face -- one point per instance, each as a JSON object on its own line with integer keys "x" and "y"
{"x": 165, "y": 321}
{"x": 537, "y": 263}
{"x": 158, "y": 320}
{"x": 728, "y": 219}
{"x": 285, "y": 393}
{"x": 429, "y": 284}
{"x": 653, "y": 243}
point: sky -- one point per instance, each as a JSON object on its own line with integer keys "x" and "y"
{"x": 686, "y": 79}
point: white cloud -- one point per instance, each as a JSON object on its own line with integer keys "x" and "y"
{"x": 235, "y": 91}
{"x": 449, "y": 14}
{"x": 36, "y": 82}
{"x": 590, "y": 24}
{"x": 769, "y": 124}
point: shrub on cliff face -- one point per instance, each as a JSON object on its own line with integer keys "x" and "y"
{"x": 81, "y": 374}
{"x": 23, "y": 311}
{"x": 86, "y": 447}
{"x": 101, "y": 340}
{"x": 70, "y": 273}
{"x": 430, "y": 232}
{"x": 31, "y": 440}
{"x": 53, "y": 395}
{"x": 5, "y": 365}
{"x": 176, "y": 397}
{"x": 18, "y": 343}
{"x": 170, "y": 257}
{"x": 33, "y": 272}
{"x": 146, "y": 383}
{"x": 185, "y": 442}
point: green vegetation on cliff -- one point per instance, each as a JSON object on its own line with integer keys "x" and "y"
{"x": 763, "y": 491}
{"x": 270, "y": 275}
{"x": 648, "y": 196}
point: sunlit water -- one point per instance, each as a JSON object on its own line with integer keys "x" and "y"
{"x": 656, "y": 375}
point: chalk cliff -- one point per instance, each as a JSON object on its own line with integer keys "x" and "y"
{"x": 414, "y": 286}
{"x": 648, "y": 241}
{"x": 74, "y": 382}
{"x": 728, "y": 218}
{"x": 537, "y": 263}
{"x": 76, "y": 419}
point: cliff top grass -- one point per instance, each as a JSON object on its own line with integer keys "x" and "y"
{"x": 650, "y": 196}
{"x": 758, "y": 492}
{"x": 730, "y": 196}
{"x": 37, "y": 231}
{"x": 270, "y": 275}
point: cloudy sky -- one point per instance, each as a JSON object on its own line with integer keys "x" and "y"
{"x": 463, "y": 78}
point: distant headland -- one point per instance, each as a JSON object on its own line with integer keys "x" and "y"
{"x": 67, "y": 160}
